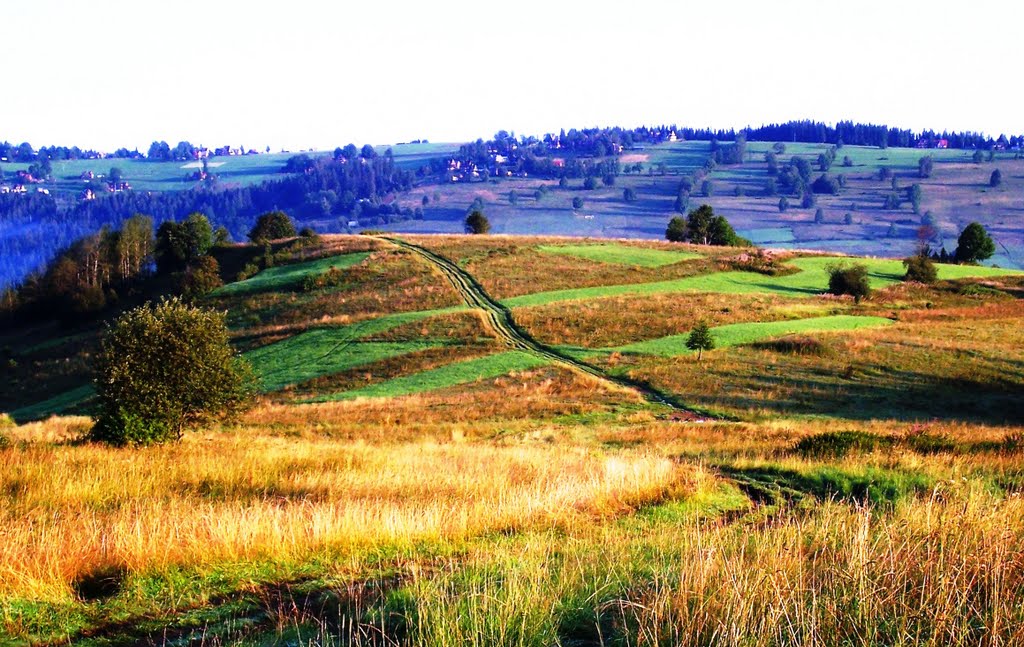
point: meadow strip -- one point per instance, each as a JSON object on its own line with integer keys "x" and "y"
{"x": 621, "y": 254}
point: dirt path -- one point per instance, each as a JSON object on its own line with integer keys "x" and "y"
{"x": 500, "y": 320}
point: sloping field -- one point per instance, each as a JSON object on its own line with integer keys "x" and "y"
{"x": 324, "y": 351}
{"x": 481, "y": 368}
{"x": 621, "y": 254}
{"x": 811, "y": 280}
{"x": 746, "y": 333}
{"x": 287, "y": 277}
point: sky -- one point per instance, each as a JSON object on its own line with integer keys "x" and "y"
{"x": 315, "y": 74}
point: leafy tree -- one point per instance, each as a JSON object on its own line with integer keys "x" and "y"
{"x": 590, "y": 183}
{"x": 608, "y": 179}
{"x": 426, "y": 200}
{"x": 978, "y": 157}
{"x": 272, "y": 225}
{"x": 707, "y": 187}
{"x": 848, "y": 279}
{"x": 884, "y": 173}
{"x": 771, "y": 188}
{"x": 996, "y": 179}
{"x": 513, "y": 198}
{"x": 914, "y": 195}
{"x": 682, "y": 202}
{"x": 703, "y": 227}
{"x": 178, "y": 244}
{"x": 819, "y": 216}
{"x": 892, "y": 202}
{"x": 477, "y": 223}
{"x": 115, "y": 175}
{"x": 629, "y": 195}
{"x": 920, "y": 268}
{"x": 700, "y": 339}
{"x": 848, "y": 219}
{"x": 826, "y": 184}
{"x": 163, "y": 370}
{"x": 201, "y": 278}
{"x": 974, "y": 244}
{"x": 783, "y": 204}
{"x": 924, "y": 166}
{"x": 847, "y": 161}
{"x": 368, "y": 152}
{"x": 676, "y": 231}
{"x": 577, "y": 202}
{"x": 807, "y": 201}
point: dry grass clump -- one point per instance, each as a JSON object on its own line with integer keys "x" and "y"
{"x": 70, "y": 510}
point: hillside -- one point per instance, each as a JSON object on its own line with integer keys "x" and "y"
{"x": 505, "y": 440}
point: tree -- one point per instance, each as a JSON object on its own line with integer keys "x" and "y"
{"x": 819, "y": 216}
{"x": 368, "y": 152}
{"x": 164, "y": 369}
{"x": 848, "y": 279}
{"x": 114, "y": 175}
{"x": 676, "y": 231}
{"x": 920, "y": 268}
{"x": 682, "y": 202}
{"x": 272, "y": 225}
{"x": 924, "y": 166}
{"x": 201, "y": 278}
{"x": 698, "y": 224}
{"x": 996, "y": 179}
{"x": 477, "y": 223}
{"x": 513, "y": 198}
{"x": 783, "y": 204}
{"x": 974, "y": 244}
{"x": 590, "y": 183}
{"x": 629, "y": 195}
{"x": 707, "y": 187}
{"x": 807, "y": 201}
{"x": 577, "y": 202}
{"x": 826, "y": 184}
{"x": 848, "y": 219}
{"x": 978, "y": 157}
{"x": 178, "y": 244}
{"x": 700, "y": 339}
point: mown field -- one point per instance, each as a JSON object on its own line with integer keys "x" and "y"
{"x": 853, "y": 473}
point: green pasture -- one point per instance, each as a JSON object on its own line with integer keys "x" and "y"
{"x": 812, "y": 279}
{"x": 768, "y": 235}
{"x": 287, "y": 277}
{"x": 747, "y": 333}
{"x": 454, "y": 374}
{"x": 678, "y": 157}
{"x": 58, "y": 404}
{"x": 621, "y": 254}
{"x": 324, "y": 351}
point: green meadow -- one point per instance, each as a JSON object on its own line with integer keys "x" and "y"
{"x": 621, "y": 254}
{"x": 289, "y": 277}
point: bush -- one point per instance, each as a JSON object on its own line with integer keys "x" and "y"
{"x": 795, "y": 345}
{"x": 273, "y": 225}
{"x": 629, "y": 195}
{"x": 477, "y": 223}
{"x": 839, "y": 444}
{"x": 201, "y": 278}
{"x": 165, "y": 369}
{"x": 848, "y": 279}
{"x": 676, "y": 231}
{"x": 577, "y": 203}
{"x": 920, "y": 268}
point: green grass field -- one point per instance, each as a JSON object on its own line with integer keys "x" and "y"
{"x": 747, "y": 333}
{"x": 621, "y": 254}
{"x": 58, "y": 404}
{"x": 811, "y": 280}
{"x": 289, "y": 277}
{"x": 463, "y": 372}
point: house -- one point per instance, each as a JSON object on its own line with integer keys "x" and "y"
{"x": 672, "y": 136}
{"x": 4, "y": 188}
{"x": 88, "y": 195}
{"x": 19, "y": 188}
{"x": 942, "y": 143}
{"x": 558, "y": 161}
{"x": 43, "y": 191}
{"x": 87, "y": 175}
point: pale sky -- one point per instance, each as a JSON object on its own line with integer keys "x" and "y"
{"x": 315, "y": 74}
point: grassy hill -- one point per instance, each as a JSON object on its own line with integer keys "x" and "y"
{"x": 503, "y": 440}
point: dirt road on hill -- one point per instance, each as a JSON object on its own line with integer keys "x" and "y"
{"x": 499, "y": 318}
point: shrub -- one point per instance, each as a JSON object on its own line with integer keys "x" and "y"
{"x": 629, "y": 195}
{"x": 577, "y": 203}
{"x": 996, "y": 178}
{"x": 164, "y": 369}
{"x": 201, "y": 278}
{"x": 795, "y": 345}
{"x": 920, "y": 268}
{"x": 848, "y": 279}
{"x": 676, "y": 231}
{"x": 477, "y": 223}
{"x": 273, "y": 225}
{"x": 839, "y": 444}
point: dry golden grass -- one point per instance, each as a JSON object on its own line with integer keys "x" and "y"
{"x": 510, "y": 266}
{"x": 68, "y": 510}
{"x": 614, "y": 321}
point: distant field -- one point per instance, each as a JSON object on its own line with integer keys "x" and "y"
{"x": 746, "y": 333}
{"x": 956, "y": 194}
{"x": 621, "y": 254}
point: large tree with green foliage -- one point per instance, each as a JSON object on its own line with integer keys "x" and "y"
{"x": 164, "y": 369}
{"x": 974, "y": 244}
{"x": 180, "y": 243}
{"x": 273, "y": 225}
